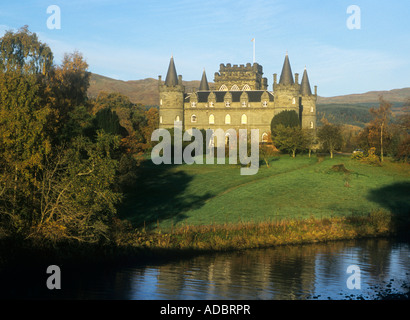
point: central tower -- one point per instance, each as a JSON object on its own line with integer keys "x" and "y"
{"x": 240, "y": 78}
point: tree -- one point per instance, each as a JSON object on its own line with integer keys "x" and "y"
{"x": 330, "y": 136}
{"x": 287, "y": 118}
{"x": 289, "y": 139}
{"x": 379, "y": 126}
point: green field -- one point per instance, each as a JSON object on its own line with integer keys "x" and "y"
{"x": 192, "y": 195}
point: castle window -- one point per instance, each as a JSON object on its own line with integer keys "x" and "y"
{"x": 211, "y": 104}
{"x": 227, "y": 104}
{"x": 265, "y": 103}
{"x": 193, "y": 104}
{"x": 235, "y": 88}
{"x": 244, "y": 104}
{"x": 223, "y": 88}
{"x": 160, "y": 119}
{"x": 193, "y": 118}
{"x": 160, "y": 102}
{"x": 211, "y": 119}
{"x": 311, "y": 109}
{"x": 227, "y": 119}
{"x": 311, "y": 125}
{"x": 177, "y": 118}
{"x": 246, "y": 87}
{"x": 244, "y": 119}
{"x": 293, "y": 101}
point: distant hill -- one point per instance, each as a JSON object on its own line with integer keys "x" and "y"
{"x": 396, "y": 95}
{"x": 138, "y": 91}
{"x": 146, "y": 92}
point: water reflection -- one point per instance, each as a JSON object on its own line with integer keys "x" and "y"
{"x": 291, "y": 272}
{"x": 282, "y": 273}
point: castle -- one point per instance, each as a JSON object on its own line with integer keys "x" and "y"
{"x": 240, "y": 100}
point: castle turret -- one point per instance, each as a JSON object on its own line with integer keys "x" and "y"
{"x": 171, "y": 95}
{"x": 204, "y": 86}
{"x": 287, "y": 90}
{"x": 307, "y": 103}
{"x": 286, "y": 77}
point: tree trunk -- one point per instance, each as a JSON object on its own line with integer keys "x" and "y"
{"x": 293, "y": 153}
{"x": 331, "y": 154}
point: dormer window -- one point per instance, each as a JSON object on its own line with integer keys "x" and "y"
{"x": 265, "y": 103}
{"x": 244, "y": 104}
{"x": 227, "y": 104}
{"x": 211, "y": 104}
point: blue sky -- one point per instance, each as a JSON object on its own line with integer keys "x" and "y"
{"x": 132, "y": 40}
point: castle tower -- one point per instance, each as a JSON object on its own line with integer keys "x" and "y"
{"x": 240, "y": 78}
{"x": 287, "y": 90}
{"x": 307, "y": 103}
{"x": 171, "y": 98}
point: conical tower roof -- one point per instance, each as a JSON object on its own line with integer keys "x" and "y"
{"x": 204, "y": 86}
{"x": 172, "y": 77}
{"x": 305, "y": 85}
{"x": 286, "y": 77}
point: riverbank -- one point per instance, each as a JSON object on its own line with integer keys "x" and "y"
{"x": 136, "y": 246}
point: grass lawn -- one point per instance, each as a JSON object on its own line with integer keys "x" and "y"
{"x": 171, "y": 196}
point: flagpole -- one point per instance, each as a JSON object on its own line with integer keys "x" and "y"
{"x": 253, "y": 40}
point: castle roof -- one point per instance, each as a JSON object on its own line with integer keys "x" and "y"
{"x": 253, "y": 95}
{"x": 286, "y": 77}
{"x": 204, "y": 86}
{"x": 305, "y": 85}
{"x": 172, "y": 78}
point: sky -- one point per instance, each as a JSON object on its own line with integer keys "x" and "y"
{"x": 133, "y": 40}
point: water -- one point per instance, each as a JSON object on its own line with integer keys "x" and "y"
{"x": 315, "y": 271}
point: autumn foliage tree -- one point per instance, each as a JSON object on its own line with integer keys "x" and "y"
{"x": 330, "y": 137}
{"x": 55, "y": 181}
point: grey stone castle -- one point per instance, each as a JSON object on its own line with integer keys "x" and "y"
{"x": 240, "y": 99}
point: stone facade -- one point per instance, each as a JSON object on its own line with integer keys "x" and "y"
{"x": 240, "y": 100}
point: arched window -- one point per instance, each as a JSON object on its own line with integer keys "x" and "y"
{"x": 235, "y": 88}
{"x": 211, "y": 119}
{"x": 193, "y": 118}
{"x": 246, "y": 87}
{"x": 311, "y": 125}
{"x": 294, "y": 101}
{"x": 177, "y": 118}
{"x": 311, "y": 109}
{"x": 264, "y": 137}
{"x": 223, "y": 88}
{"x": 160, "y": 119}
{"x": 227, "y": 119}
{"x": 244, "y": 119}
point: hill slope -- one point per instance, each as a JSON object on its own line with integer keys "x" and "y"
{"x": 146, "y": 92}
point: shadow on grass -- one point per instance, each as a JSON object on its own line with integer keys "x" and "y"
{"x": 158, "y": 195}
{"x": 396, "y": 199}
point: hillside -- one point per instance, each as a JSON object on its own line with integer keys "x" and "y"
{"x": 146, "y": 92}
{"x": 139, "y": 91}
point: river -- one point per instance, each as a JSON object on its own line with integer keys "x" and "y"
{"x": 315, "y": 271}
